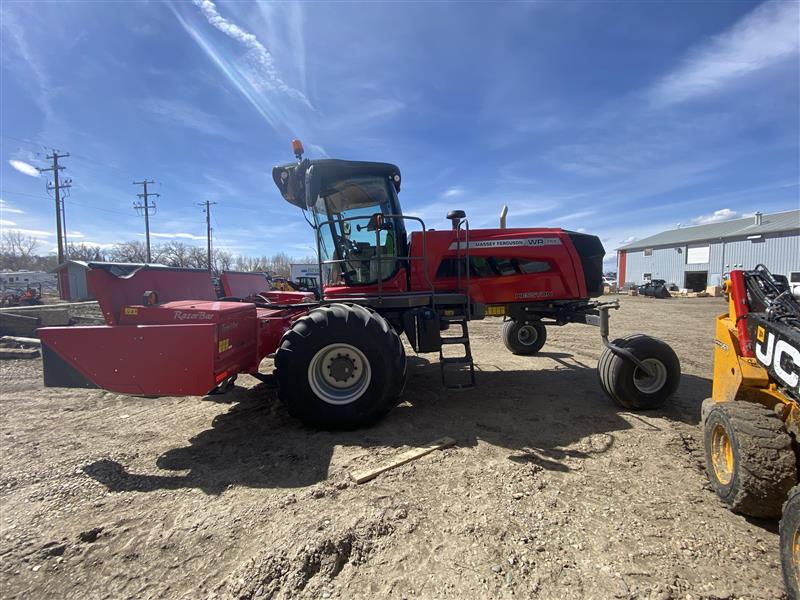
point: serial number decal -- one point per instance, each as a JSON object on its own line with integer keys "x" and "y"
{"x": 226, "y": 327}
{"x": 543, "y": 294}
{"x": 179, "y": 315}
{"x": 131, "y": 311}
{"x": 721, "y": 344}
{"x": 529, "y": 242}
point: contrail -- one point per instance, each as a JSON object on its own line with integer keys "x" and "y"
{"x": 259, "y": 56}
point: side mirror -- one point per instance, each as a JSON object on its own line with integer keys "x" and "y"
{"x": 376, "y": 222}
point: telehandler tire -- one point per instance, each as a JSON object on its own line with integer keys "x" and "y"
{"x": 525, "y": 339}
{"x": 749, "y": 458}
{"x": 630, "y": 386}
{"x": 790, "y": 543}
{"x": 340, "y": 367}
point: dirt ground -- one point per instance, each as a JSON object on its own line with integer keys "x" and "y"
{"x": 550, "y": 492}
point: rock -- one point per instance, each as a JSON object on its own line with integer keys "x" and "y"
{"x": 53, "y": 549}
{"x": 497, "y": 569}
{"x": 518, "y": 496}
{"x": 91, "y": 535}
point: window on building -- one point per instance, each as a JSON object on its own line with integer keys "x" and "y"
{"x": 697, "y": 255}
{"x": 648, "y": 252}
{"x": 647, "y": 276}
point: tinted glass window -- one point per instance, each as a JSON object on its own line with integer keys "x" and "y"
{"x": 489, "y": 266}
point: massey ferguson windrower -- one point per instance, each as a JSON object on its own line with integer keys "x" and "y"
{"x": 339, "y": 361}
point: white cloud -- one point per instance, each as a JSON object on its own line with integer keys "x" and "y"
{"x": 178, "y": 112}
{"x": 453, "y": 192}
{"x": 6, "y": 223}
{"x": 75, "y": 234}
{"x": 5, "y": 207}
{"x": 765, "y": 36}
{"x": 723, "y": 214}
{"x": 628, "y": 240}
{"x": 24, "y": 168}
{"x": 180, "y": 235}
{"x": 37, "y": 233}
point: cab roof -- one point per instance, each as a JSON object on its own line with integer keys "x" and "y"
{"x": 292, "y": 187}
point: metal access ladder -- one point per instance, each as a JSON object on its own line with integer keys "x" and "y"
{"x": 458, "y": 372}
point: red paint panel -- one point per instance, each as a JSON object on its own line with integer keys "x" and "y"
{"x": 160, "y": 360}
{"x": 114, "y": 292}
{"x": 243, "y": 285}
{"x": 563, "y": 281}
{"x": 622, "y": 259}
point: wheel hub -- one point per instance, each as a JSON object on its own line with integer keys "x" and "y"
{"x": 650, "y": 384}
{"x": 721, "y": 455}
{"x": 527, "y": 335}
{"x": 342, "y": 368}
{"x": 339, "y": 374}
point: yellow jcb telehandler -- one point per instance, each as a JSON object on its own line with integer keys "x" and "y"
{"x": 752, "y": 420}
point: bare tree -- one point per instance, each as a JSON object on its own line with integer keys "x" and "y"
{"x": 176, "y": 254}
{"x": 223, "y": 260}
{"x": 133, "y": 252}
{"x": 17, "y": 251}
{"x": 85, "y": 252}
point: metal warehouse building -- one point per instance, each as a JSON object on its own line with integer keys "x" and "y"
{"x": 696, "y": 257}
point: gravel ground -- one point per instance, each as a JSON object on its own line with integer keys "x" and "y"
{"x": 550, "y": 492}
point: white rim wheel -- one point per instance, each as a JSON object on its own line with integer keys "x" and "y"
{"x": 339, "y": 374}
{"x": 650, "y": 384}
{"x": 527, "y": 335}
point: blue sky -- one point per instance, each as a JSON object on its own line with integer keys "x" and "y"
{"x": 618, "y": 118}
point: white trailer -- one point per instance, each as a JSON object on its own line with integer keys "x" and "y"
{"x": 304, "y": 270}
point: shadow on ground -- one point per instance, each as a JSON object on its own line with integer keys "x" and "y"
{"x": 537, "y": 414}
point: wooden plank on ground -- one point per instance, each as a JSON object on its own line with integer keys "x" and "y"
{"x": 405, "y": 457}
{"x": 25, "y": 341}
{"x": 12, "y": 353}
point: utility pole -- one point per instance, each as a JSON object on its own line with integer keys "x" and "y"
{"x": 145, "y": 208}
{"x": 207, "y": 209}
{"x": 57, "y": 186}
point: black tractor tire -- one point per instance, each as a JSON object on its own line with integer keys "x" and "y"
{"x": 790, "y": 543}
{"x": 749, "y": 458}
{"x": 324, "y": 350}
{"x": 524, "y": 338}
{"x": 628, "y": 385}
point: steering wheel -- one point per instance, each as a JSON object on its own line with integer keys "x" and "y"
{"x": 349, "y": 246}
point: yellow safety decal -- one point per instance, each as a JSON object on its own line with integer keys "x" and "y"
{"x": 131, "y": 311}
{"x": 760, "y": 333}
{"x": 448, "y": 313}
{"x": 497, "y": 310}
{"x": 224, "y": 345}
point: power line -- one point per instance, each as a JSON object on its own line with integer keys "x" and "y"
{"x": 207, "y": 210}
{"x": 145, "y": 208}
{"x": 57, "y": 186}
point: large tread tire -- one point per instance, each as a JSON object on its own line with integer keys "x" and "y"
{"x": 619, "y": 376}
{"x": 536, "y": 336}
{"x": 755, "y": 475}
{"x": 355, "y": 326}
{"x": 790, "y": 538}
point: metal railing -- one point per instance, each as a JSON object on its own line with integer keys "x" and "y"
{"x": 458, "y": 230}
{"x": 378, "y": 257}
